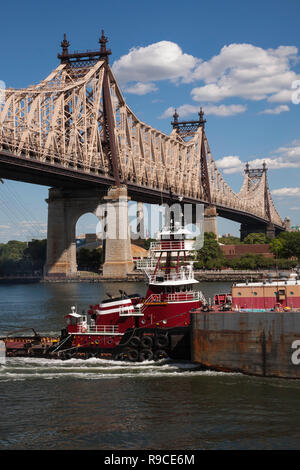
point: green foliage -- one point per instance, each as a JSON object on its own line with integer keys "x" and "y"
{"x": 210, "y": 256}
{"x": 21, "y": 258}
{"x": 230, "y": 240}
{"x": 13, "y": 250}
{"x": 148, "y": 242}
{"x": 89, "y": 260}
{"x": 36, "y": 253}
{"x": 255, "y": 238}
{"x": 276, "y": 246}
{"x": 252, "y": 261}
{"x": 287, "y": 245}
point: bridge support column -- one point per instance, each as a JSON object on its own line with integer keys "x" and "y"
{"x": 246, "y": 229}
{"x": 118, "y": 257}
{"x": 140, "y": 220}
{"x": 61, "y": 254}
{"x": 210, "y": 220}
{"x": 270, "y": 231}
{"x": 64, "y": 209}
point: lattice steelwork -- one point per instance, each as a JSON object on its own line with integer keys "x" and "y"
{"x": 78, "y": 118}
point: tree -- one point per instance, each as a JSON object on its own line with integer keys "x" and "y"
{"x": 11, "y": 258}
{"x": 255, "y": 238}
{"x": 290, "y": 244}
{"x": 231, "y": 240}
{"x": 89, "y": 259}
{"x": 36, "y": 253}
{"x": 276, "y": 247}
{"x": 210, "y": 255}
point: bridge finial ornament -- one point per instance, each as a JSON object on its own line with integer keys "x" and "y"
{"x": 201, "y": 116}
{"x": 102, "y": 41}
{"x": 175, "y": 116}
{"x": 65, "y": 45}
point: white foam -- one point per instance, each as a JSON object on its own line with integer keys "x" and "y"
{"x": 20, "y": 369}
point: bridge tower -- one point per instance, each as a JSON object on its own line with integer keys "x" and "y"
{"x": 256, "y": 182}
{"x": 64, "y": 208}
{"x": 186, "y": 130}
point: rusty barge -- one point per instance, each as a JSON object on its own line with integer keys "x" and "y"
{"x": 253, "y": 330}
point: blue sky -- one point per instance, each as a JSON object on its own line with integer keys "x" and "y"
{"x": 238, "y": 60}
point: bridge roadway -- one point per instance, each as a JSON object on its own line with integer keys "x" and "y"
{"x": 42, "y": 173}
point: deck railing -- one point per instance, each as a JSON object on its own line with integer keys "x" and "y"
{"x": 183, "y": 275}
{"x": 167, "y": 245}
{"x": 101, "y": 329}
{"x": 174, "y": 297}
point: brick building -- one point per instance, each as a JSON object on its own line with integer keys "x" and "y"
{"x": 235, "y": 251}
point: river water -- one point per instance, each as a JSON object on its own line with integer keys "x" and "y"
{"x": 105, "y": 405}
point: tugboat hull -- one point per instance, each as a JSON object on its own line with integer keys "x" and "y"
{"x": 135, "y": 345}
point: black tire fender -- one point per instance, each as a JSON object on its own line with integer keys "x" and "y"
{"x": 162, "y": 341}
{"x": 147, "y": 342}
{"x": 145, "y": 355}
{"x": 133, "y": 355}
{"x": 134, "y": 342}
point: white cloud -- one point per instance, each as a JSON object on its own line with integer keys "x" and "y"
{"x": 225, "y": 110}
{"x": 286, "y": 192}
{"x": 230, "y": 164}
{"x": 239, "y": 70}
{"x": 246, "y": 71}
{"x": 140, "y": 88}
{"x": 216, "y": 110}
{"x": 288, "y": 157}
{"x": 283, "y": 96}
{"x": 279, "y": 109}
{"x": 162, "y": 60}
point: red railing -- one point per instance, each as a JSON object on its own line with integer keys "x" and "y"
{"x": 168, "y": 245}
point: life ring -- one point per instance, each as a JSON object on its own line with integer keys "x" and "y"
{"x": 83, "y": 329}
{"x": 155, "y": 298}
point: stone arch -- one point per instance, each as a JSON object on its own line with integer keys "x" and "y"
{"x": 65, "y": 207}
{"x": 87, "y": 224}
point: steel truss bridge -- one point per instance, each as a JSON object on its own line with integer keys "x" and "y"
{"x": 75, "y": 130}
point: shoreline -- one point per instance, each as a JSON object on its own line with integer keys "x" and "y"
{"x": 204, "y": 276}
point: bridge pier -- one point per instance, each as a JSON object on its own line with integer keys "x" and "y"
{"x": 118, "y": 256}
{"x": 140, "y": 229}
{"x": 64, "y": 209}
{"x": 246, "y": 229}
{"x": 210, "y": 220}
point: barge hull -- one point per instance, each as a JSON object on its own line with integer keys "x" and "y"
{"x": 257, "y": 343}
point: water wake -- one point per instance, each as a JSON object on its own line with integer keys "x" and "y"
{"x": 20, "y": 369}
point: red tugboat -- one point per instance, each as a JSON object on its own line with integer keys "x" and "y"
{"x": 130, "y": 327}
